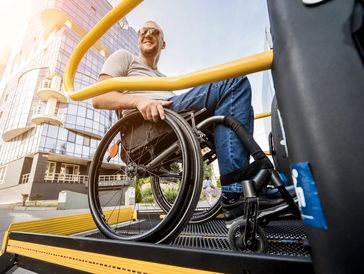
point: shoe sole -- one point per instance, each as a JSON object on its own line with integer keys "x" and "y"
{"x": 265, "y": 212}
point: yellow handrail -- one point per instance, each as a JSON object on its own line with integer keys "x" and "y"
{"x": 262, "y": 115}
{"x": 243, "y": 66}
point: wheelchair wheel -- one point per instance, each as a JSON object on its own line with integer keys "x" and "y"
{"x": 204, "y": 210}
{"x": 131, "y": 153}
{"x": 236, "y": 237}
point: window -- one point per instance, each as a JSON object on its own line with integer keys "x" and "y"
{"x": 51, "y": 170}
{"x": 2, "y": 174}
{"x": 62, "y": 135}
{"x": 86, "y": 141}
{"x": 52, "y": 131}
{"x": 69, "y": 172}
{"x": 71, "y": 137}
{"x": 89, "y": 113}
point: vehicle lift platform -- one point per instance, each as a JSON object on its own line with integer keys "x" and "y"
{"x": 73, "y": 244}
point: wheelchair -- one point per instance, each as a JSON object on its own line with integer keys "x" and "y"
{"x": 164, "y": 161}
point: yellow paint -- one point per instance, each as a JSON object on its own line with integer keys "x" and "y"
{"x": 5, "y": 242}
{"x": 92, "y": 262}
{"x": 67, "y": 225}
{"x": 262, "y": 115}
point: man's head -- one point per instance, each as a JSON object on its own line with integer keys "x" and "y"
{"x": 151, "y": 40}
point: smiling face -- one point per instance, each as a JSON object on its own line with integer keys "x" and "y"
{"x": 150, "y": 40}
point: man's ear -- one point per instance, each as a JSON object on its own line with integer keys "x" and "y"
{"x": 164, "y": 45}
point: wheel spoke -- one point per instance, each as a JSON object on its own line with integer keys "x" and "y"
{"x": 108, "y": 192}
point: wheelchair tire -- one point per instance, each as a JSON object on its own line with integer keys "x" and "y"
{"x": 236, "y": 237}
{"x": 144, "y": 221}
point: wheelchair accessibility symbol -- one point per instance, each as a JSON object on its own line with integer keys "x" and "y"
{"x": 307, "y": 195}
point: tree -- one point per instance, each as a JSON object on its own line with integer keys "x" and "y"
{"x": 24, "y": 198}
{"x": 36, "y": 197}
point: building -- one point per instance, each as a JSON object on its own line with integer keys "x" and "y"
{"x": 47, "y": 140}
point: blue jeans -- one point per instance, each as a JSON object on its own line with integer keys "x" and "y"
{"x": 229, "y": 97}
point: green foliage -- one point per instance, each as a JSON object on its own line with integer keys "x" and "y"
{"x": 143, "y": 181}
{"x": 170, "y": 194}
{"x": 175, "y": 167}
{"x": 218, "y": 182}
{"x": 207, "y": 170}
{"x": 138, "y": 194}
{"x": 147, "y": 196}
{"x": 143, "y": 192}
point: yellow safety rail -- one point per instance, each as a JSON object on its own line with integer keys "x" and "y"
{"x": 262, "y": 115}
{"x": 67, "y": 225}
{"x": 243, "y": 66}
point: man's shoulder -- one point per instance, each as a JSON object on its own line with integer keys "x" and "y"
{"x": 122, "y": 54}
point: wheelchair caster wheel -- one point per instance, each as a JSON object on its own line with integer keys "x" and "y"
{"x": 236, "y": 238}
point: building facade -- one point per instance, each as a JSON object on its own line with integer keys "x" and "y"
{"x": 48, "y": 140}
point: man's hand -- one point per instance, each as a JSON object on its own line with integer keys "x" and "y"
{"x": 152, "y": 110}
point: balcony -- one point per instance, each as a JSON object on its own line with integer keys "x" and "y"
{"x": 66, "y": 178}
{"x": 53, "y": 18}
{"x": 105, "y": 181}
{"x": 50, "y": 88}
{"x": 9, "y": 134}
{"x": 43, "y": 115}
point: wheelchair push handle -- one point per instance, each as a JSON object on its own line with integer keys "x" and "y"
{"x": 243, "y": 66}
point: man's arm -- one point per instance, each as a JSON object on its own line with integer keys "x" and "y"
{"x": 151, "y": 110}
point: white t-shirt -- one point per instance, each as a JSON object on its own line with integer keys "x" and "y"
{"x": 124, "y": 64}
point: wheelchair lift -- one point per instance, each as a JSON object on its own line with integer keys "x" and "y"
{"x": 44, "y": 246}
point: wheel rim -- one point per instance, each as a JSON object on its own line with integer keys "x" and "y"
{"x": 236, "y": 237}
{"x": 149, "y": 228}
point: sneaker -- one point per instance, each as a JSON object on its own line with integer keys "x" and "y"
{"x": 232, "y": 211}
{"x": 267, "y": 206}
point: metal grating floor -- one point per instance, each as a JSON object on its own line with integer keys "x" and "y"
{"x": 285, "y": 237}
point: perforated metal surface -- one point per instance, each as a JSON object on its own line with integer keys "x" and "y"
{"x": 285, "y": 237}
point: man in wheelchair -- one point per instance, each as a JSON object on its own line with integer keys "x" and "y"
{"x": 230, "y": 97}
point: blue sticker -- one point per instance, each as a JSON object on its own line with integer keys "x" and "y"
{"x": 307, "y": 195}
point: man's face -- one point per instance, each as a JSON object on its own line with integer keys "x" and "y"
{"x": 150, "y": 39}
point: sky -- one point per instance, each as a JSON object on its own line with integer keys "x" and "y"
{"x": 198, "y": 33}
{"x": 14, "y": 14}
